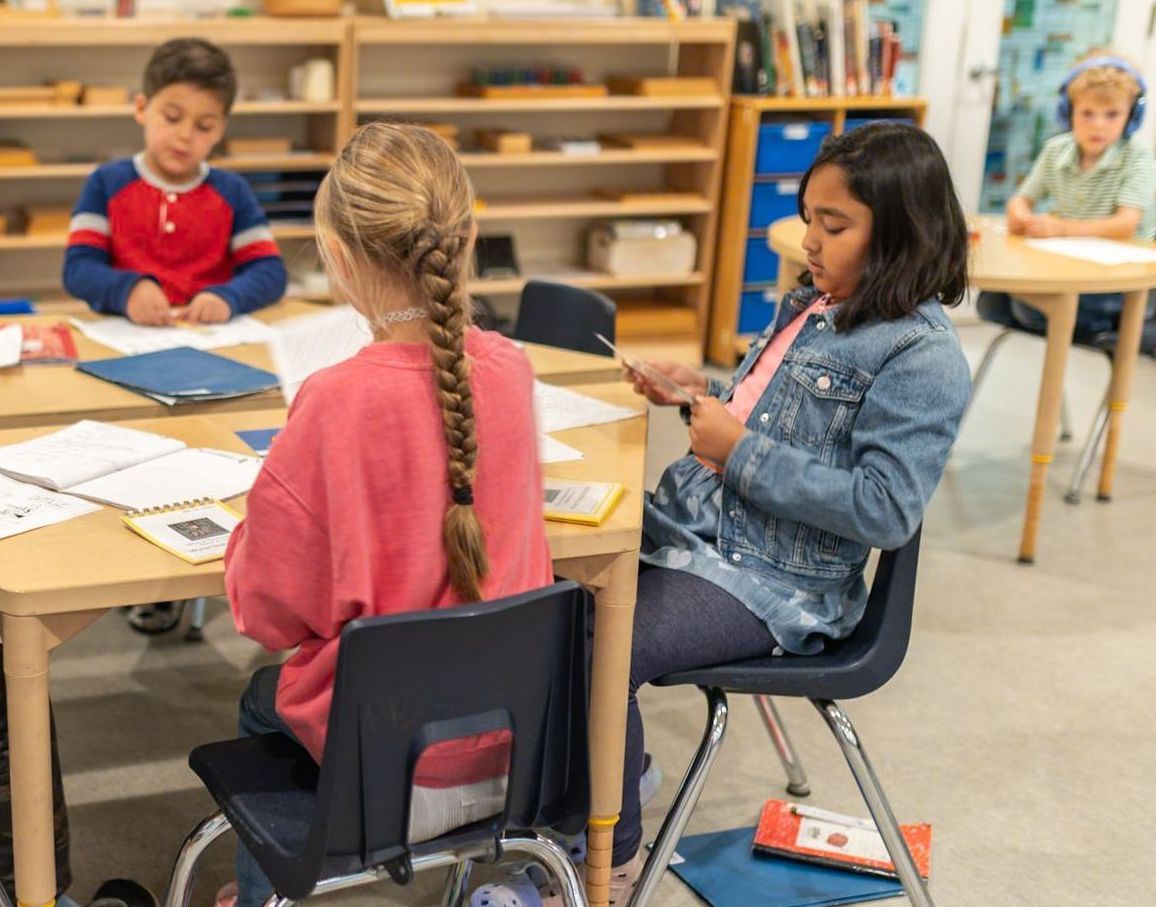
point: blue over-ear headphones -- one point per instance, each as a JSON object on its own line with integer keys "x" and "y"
{"x": 1135, "y": 116}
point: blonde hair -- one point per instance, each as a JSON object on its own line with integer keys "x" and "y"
{"x": 1103, "y": 80}
{"x": 396, "y": 213}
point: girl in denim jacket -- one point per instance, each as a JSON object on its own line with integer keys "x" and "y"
{"x": 827, "y": 441}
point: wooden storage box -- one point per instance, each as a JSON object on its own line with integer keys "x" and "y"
{"x": 274, "y": 144}
{"x": 14, "y": 154}
{"x": 666, "y": 86}
{"x": 532, "y": 91}
{"x": 104, "y": 95}
{"x": 645, "y": 141}
{"x": 654, "y": 318}
{"x": 45, "y": 220}
{"x": 503, "y": 142}
{"x": 614, "y": 251}
{"x": 302, "y": 7}
{"x": 27, "y": 96}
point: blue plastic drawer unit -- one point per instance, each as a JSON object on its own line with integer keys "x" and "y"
{"x": 789, "y": 147}
{"x": 757, "y": 310}
{"x": 762, "y": 265}
{"x": 856, "y": 122}
{"x": 772, "y": 201}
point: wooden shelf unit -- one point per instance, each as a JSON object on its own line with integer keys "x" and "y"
{"x": 547, "y": 200}
{"x": 385, "y": 68}
{"x": 747, "y": 114}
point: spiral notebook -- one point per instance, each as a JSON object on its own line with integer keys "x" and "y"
{"x": 195, "y": 531}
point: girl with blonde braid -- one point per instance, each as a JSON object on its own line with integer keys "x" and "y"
{"x": 406, "y": 477}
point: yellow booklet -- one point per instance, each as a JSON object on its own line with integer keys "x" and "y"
{"x": 195, "y": 531}
{"x": 580, "y": 502}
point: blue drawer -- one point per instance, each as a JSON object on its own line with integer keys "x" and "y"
{"x": 856, "y": 122}
{"x": 789, "y": 147}
{"x": 757, "y": 310}
{"x": 762, "y": 265}
{"x": 772, "y": 201}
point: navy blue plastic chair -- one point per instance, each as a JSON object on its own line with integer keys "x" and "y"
{"x": 852, "y": 667}
{"x": 405, "y": 682}
{"x": 556, "y": 314}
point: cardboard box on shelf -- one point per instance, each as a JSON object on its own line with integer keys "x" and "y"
{"x": 641, "y": 247}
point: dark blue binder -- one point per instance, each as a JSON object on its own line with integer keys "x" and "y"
{"x": 181, "y": 375}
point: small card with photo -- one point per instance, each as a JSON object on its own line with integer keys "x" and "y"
{"x": 196, "y": 531}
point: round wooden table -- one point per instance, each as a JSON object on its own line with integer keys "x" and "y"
{"x": 1052, "y": 284}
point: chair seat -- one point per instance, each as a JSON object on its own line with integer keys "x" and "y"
{"x": 824, "y": 676}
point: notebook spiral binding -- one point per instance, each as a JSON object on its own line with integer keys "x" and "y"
{"x": 169, "y": 508}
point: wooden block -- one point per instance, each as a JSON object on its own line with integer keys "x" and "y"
{"x": 45, "y": 220}
{"x": 27, "y": 96}
{"x": 532, "y": 92}
{"x": 273, "y": 144}
{"x": 15, "y": 154}
{"x": 649, "y": 141}
{"x": 654, "y": 318}
{"x": 104, "y": 95}
{"x": 445, "y": 130}
{"x": 67, "y": 92}
{"x": 664, "y": 86}
{"x": 505, "y": 142}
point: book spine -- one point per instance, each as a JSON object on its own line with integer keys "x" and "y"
{"x": 807, "y": 56}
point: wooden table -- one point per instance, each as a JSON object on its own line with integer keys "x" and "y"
{"x": 56, "y": 581}
{"x": 58, "y": 394}
{"x": 1051, "y": 284}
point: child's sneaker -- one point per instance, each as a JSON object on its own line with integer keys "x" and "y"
{"x": 154, "y": 619}
{"x": 651, "y": 779}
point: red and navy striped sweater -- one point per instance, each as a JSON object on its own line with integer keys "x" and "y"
{"x": 208, "y": 234}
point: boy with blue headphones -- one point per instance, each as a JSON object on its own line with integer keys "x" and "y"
{"x": 1099, "y": 181}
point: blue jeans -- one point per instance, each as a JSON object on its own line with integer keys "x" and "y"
{"x": 1097, "y": 313}
{"x": 258, "y": 716}
{"x": 680, "y": 622}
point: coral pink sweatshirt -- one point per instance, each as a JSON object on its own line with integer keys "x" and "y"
{"x": 345, "y": 521}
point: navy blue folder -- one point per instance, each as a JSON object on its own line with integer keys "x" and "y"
{"x": 181, "y": 375}
{"x": 722, "y": 869}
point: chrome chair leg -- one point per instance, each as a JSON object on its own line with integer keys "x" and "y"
{"x": 797, "y": 784}
{"x": 1065, "y": 418}
{"x": 1091, "y": 445}
{"x": 684, "y": 800}
{"x": 877, "y": 804}
{"x": 985, "y": 364}
{"x": 457, "y": 882}
{"x": 195, "y": 632}
{"x": 185, "y": 868}
{"x": 557, "y": 862}
{"x": 275, "y": 900}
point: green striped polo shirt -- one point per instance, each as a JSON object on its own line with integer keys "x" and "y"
{"x": 1124, "y": 177}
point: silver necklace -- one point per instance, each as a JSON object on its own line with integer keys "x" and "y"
{"x": 401, "y": 315}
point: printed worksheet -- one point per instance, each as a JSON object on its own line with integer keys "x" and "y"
{"x": 130, "y": 339}
{"x": 24, "y": 507}
{"x": 559, "y": 408}
{"x": 302, "y": 346}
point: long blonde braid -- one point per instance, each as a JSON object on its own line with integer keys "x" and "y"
{"x": 400, "y": 208}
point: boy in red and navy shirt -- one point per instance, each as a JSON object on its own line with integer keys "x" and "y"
{"x": 162, "y": 235}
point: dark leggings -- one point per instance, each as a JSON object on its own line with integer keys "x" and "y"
{"x": 680, "y": 622}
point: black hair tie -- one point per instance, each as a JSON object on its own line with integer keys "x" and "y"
{"x": 464, "y": 496}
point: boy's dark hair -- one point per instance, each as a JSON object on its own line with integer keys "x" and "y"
{"x": 194, "y": 61}
{"x": 919, "y": 243}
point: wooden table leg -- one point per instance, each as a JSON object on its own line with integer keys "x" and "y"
{"x": 615, "y": 580}
{"x": 26, "y": 645}
{"x": 1123, "y": 371}
{"x": 1061, "y": 312}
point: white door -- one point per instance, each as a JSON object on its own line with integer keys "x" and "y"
{"x": 1135, "y": 37}
{"x": 957, "y": 74}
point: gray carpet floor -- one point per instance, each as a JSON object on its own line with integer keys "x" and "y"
{"x": 1021, "y": 725}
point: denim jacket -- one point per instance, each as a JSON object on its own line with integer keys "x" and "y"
{"x": 841, "y": 454}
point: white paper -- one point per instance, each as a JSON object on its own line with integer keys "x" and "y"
{"x": 200, "y": 533}
{"x": 24, "y": 507}
{"x": 558, "y": 408}
{"x": 11, "y": 345}
{"x": 836, "y": 838}
{"x": 1101, "y": 251}
{"x": 551, "y": 450}
{"x": 83, "y": 451}
{"x": 131, "y": 339}
{"x": 302, "y": 346}
{"x": 186, "y": 475}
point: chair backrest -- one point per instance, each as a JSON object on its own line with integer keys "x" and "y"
{"x": 557, "y": 314}
{"x": 409, "y": 680}
{"x": 17, "y": 307}
{"x": 874, "y": 651}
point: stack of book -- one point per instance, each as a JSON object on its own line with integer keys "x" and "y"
{"x": 816, "y": 49}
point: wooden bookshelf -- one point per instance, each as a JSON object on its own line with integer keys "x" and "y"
{"x": 549, "y": 200}
{"x": 732, "y": 276}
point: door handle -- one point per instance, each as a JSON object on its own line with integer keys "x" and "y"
{"x": 978, "y": 72}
